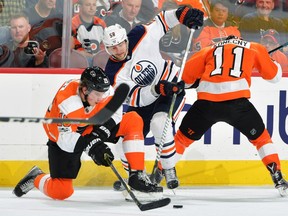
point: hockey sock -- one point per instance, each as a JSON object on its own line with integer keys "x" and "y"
{"x": 55, "y": 188}
{"x": 266, "y": 149}
{"x": 168, "y": 150}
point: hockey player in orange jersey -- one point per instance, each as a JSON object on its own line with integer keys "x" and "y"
{"x": 224, "y": 74}
{"x": 82, "y": 99}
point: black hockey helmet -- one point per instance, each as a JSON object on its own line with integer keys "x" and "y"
{"x": 94, "y": 78}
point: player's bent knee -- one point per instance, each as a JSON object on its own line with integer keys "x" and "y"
{"x": 134, "y": 121}
{"x": 60, "y": 189}
{"x": 132, "y": 126}
{"x": 157, "y": 123}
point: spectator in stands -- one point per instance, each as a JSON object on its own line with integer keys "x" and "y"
{"x": 103, "y": 7}
{"x": 87, "y": 29}
{"x": 269, "y": 39}
{"x": 8, "y": 9}
{"x": 46, "y": 21}
{"x": 216, "y": 27}
{"x": 59, "y": 4}
{"x": 127, "y": 16}
{"x": 251, "y": 24}
{"x": 24, "y": 55}
{"x": 147, "y": 11}
{"x": 42, "y": 11}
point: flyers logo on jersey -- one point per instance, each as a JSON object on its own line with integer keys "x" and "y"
{"x": 143, "y": 73}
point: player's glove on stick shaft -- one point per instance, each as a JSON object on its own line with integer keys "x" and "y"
{"x": 96, "y": 149}
{"x": 190, "y": 17}
{"x": 167, "y": 88}
{"x": 104, "y": 131}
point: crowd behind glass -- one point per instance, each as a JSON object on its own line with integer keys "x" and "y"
{"x": 32, "y": 33}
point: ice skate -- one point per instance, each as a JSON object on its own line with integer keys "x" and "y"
{"x": 138, "y": 180}
{"x": 157, "y": 178}
{"x": 280, "y": 183}
{"x": 171, "y": 178}
{"x": 27, "y": 183}
{"x": 142, "y": 187}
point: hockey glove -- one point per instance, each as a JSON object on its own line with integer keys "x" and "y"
{"x": 190, "y": 17}
{"x": 96, "y": 149}
{"x": 104, "y": 131}
{"x": 166, "y": 88}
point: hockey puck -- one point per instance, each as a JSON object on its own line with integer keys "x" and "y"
{"x": 177, "y": 206}
{"x": 117, "y": 185}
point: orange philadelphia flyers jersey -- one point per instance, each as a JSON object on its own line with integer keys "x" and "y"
{"x": 67, "y": 103}
{"x": 225, "y": 69}
{"x": 211, "y": 34}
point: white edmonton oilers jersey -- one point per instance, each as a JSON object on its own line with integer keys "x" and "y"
{"x": 144, "y": 66}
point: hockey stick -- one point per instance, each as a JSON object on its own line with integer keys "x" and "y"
{"x": 170, "y": 114}
{"x": 99, "y": 118}
{"x": 277, "y": 48}
{"x": 142, "y": 206}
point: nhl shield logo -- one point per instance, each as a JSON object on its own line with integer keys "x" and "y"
{"x": 143, "y": 73}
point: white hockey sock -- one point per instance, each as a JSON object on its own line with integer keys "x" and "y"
{"x": 168, "y": 154}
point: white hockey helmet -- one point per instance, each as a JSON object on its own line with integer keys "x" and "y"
{"x": 114, "y": 35}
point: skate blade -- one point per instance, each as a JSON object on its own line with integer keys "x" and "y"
{"x": 283, "y": 192}
{"x": 143, "y": 197}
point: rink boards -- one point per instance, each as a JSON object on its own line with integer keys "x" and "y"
{"x": 222, "y": 157}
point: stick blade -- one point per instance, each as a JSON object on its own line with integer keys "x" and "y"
{"x": 113, "y": 105}
{"x": 156, "y": 204}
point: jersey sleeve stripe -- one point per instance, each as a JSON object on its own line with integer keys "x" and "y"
{"x": 163, "y": 22}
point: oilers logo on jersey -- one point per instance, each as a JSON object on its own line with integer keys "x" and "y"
{"x": 143, "y": 73}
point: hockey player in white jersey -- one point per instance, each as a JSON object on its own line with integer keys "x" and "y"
{"x": 136, "y": 60}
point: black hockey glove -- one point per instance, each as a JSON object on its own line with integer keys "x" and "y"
{"x": 190, "y": 17}
{"x": 104, "y": 131}
{"x": 96, "y": 149}
{"x": 167, "y": 88}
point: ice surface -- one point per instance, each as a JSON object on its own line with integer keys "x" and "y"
{"x": 196, "y": 201}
